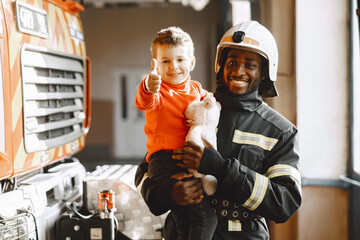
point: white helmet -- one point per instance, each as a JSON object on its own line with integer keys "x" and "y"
{"x": 252, "y": 36}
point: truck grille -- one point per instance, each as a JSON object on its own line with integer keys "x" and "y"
{"x": 53, "y": 95}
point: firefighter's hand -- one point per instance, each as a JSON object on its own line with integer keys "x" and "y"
{"x": 153, "y": 81}
{"x": 188, "y": 192}
{"x": 189, "y": 155}
{"x": 207, "y": 143}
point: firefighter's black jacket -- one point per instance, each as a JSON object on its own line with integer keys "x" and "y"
{"x": 256, "y": 162}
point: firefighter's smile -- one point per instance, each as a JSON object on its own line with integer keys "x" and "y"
{"x": 241, "y": 82}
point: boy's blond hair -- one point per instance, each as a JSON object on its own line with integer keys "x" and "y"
{"x": 172, "y": 36}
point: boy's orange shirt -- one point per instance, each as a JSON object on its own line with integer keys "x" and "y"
{"x": 165, "y": 125}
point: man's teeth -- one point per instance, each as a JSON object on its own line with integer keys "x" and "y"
{"x": 239, "y": 81}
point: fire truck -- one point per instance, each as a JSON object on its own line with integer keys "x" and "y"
{"x": 44, "y": 113}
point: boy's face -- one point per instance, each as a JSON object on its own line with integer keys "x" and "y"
{"x": 174, "y": 64}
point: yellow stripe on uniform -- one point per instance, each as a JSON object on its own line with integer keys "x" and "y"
{"x": 234, "y": 226}
{"x": 258, "y": 192}
{"x": 16, "y": 105}
{"x": 259, "y": 140}
{"x": 283, "y": 170}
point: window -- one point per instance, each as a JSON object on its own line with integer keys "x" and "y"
{"x": 240, "y": 11}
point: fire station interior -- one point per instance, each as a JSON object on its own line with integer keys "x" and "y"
{"x": 318, "y": 77}
{"x": 318, "y": 84}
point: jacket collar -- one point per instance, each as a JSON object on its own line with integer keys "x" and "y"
{"x": 248, "y": 102}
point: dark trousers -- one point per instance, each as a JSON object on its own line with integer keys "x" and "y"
{"x": 197, "y": 222}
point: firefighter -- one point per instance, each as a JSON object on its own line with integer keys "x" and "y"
{"x": 257, "y": 159}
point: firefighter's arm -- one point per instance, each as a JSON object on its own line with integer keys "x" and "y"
{"x": 283, "y": 193}
{"x": 275, "y": 195}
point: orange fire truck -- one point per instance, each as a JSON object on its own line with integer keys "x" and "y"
{"x": 44, "y": 113}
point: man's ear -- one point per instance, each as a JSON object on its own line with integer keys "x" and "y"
{"x": 192, "y": 66}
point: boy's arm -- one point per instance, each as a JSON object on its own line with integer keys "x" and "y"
{"x": 147, "y": 97}
{"x": 203, "y": 93}
{"x": 144, "y": 99}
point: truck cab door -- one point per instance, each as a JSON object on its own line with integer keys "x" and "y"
{"x": 6, "y": 169}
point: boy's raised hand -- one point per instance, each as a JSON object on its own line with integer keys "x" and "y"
{"x": 153, "y": 82}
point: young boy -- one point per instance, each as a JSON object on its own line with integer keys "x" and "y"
{"x": 164, "y": 95}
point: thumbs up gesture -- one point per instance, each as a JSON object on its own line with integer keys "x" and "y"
{"x": 153, "y": 81}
